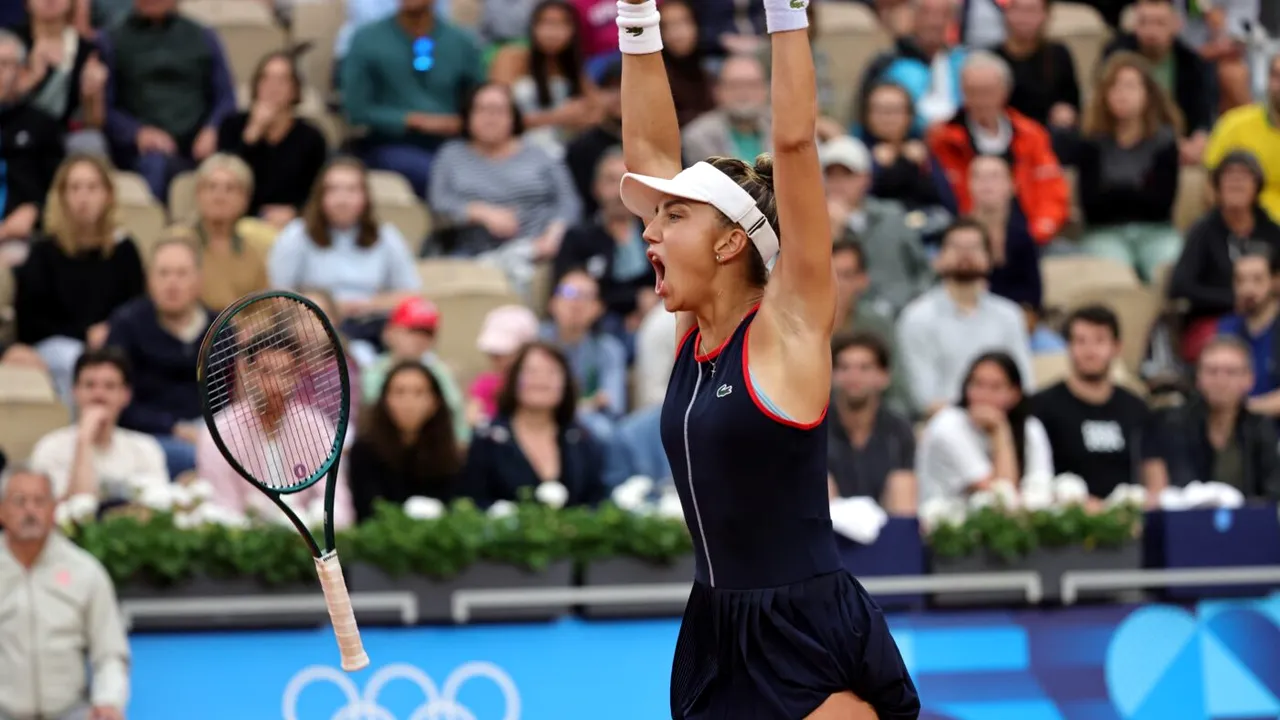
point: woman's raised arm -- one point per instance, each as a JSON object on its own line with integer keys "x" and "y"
{"x": 650, "y": 131}
{"x": 802, "y": 286}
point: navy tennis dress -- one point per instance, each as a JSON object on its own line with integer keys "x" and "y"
{"x": 774, "y": 624}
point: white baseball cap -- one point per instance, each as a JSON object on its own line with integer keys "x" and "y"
{"x": 705, "y": 184}
{"x": 845, "y": 151}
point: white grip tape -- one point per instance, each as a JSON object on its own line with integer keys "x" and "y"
{"x": 638, "y": 31}
{"x": 786, "y": 15}
{"x": 338, "y": 600}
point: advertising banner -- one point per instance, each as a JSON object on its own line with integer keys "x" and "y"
{"x": 1213, "y": 661}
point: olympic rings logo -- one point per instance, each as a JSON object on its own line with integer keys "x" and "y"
{"x": 440, "y": 703}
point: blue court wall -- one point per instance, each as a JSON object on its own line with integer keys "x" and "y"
{"x": 1217, "y": 660}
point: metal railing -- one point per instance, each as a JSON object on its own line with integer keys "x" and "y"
{"x": 405, "y": 603}
{"x": 1076, "y": 580}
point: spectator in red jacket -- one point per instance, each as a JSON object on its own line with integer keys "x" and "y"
{"x": 987, "y": 126}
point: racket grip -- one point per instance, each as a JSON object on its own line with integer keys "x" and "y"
{"x": 338, "y": 600}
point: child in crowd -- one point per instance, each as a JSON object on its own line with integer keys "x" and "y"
{"x": 410, "y": 334}
{"x": 504, "y": 331}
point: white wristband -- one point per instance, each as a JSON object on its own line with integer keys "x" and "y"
{"x": 785, "y": 15}
{"x": 638, "y": 32}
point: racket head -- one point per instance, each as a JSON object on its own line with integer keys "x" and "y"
{"x": 275, "y": 391}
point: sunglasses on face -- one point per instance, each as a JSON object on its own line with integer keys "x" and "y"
{"x": 424, "y": 54}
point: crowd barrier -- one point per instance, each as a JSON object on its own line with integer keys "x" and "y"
{"x": 1215, "y": 659}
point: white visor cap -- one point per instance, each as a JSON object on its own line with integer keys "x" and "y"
{"x": 703, "y": 183}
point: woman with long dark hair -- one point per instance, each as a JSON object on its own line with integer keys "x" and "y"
{"x": 535, "y": 438}
{"x": 546, "y": 76}
{"x": 988, "y": 436}
{"x": 691, "y": 85}
{"x": 775, "y": 625}
{"x": 406, "y": 447}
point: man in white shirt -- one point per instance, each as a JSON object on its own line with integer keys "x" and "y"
{"x": 943, "y": 330}
{"x": 94, "y": 456}
{"x": 58, "y": 613}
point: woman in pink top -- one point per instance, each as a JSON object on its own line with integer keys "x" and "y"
{"x": 599, "y": 27}
{"x": 505, "y": 330}
{"x": 275, "y": 436}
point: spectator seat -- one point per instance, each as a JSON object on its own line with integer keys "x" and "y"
{"x": 462, "y": 312}
{"x": 1084, "y": 32}
{"x": 460, "y": 275}
{"x": 466, "y": 13}
{"x": 29, "y": 409}
{"x": 317, "y": 22}
{"x": 395, "y": 202}
{"x": 138, "y": 211}
{"x": 1052, "y": 368}
{"x": 1193, "y": 199}
{"x": 1068, "y": 276}
{"x": 182, "y": 198}
{"x": 7, "y": 291}
{"x": 247, "y": 28}
{"x": 851, "y": 36}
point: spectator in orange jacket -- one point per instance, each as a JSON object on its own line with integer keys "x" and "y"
{"x": 987, "y": 126}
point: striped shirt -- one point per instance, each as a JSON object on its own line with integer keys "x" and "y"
{"x": 529, "y": 182}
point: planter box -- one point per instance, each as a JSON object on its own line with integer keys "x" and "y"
{"x": 1212, "y": 538}
{"x": 631, "y": 571}
{"x": 1050, "y": 563}
{"x": 897, "y": 551}
{"x": 203, "y": 587}
{"x": 435, "y": 596}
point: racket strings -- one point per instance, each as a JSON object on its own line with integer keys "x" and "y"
{"x": 275, "y": 384}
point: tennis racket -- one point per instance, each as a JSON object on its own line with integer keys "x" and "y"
{"x": 276, "y": 399}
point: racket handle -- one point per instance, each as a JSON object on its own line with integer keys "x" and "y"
{"x": 344, "y": 619}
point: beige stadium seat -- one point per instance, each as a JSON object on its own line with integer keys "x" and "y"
{"x": 182, "y": 197}
{"x": 7, "y": 291}
{"x": 1137, "y": 307}
{"x": 1084, "y": 32}
{"x": 461, "y": 315}
{"x": 1193, "y": 199}
{"x": 138, "y": 213}
{"x": 851, "y": 36}
{"x": 29, "y": 409}
{"x": 460, "y": 275}
{"x": 317, "y": 22}
{"x": 1066, "y": 277}
{"x": 395, "y": 202}
{"x": 1049, "y": 369}
{"x": 466, "y": 13}
{"x": 247, "y": 28}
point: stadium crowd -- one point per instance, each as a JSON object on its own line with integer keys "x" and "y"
{"x": 1044, "y": 265}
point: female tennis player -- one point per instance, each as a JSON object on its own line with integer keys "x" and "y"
{"x": 775, "y": 627}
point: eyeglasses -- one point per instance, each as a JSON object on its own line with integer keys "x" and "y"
{"x": 424, "y": 54}
{"x": 570, "y": 292}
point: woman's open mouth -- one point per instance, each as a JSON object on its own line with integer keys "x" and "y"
{"x": 660, "y": 270}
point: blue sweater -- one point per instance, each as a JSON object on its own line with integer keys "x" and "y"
{"x": 165, "y": 390}
{"x": 1019, "y": 278}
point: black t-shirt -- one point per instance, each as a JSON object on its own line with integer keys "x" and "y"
{"x": 863, "y": 472}
{"x": 1104, "y": 444}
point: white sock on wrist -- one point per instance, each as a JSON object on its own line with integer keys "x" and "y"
{"x": 785, "y": 15}
{"x": 638, "y": 32}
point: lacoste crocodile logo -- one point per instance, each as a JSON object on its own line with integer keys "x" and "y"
{"x": 799, "y": 4}
{"x": 638, "y": 31}
{"x": 723, "y": 390}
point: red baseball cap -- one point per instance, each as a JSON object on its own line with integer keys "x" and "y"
{"x": 415, "y": 313}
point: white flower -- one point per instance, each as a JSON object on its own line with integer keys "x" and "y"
{"x": 633, "y": 494}
{"x": 940, "y": 511}
{"x": 1127, "y": 495}
{"x": 1069, "y": 489}
{"x": 187, "y": 520}
{"x": 983, "y": 499}
{"x": 1006, "y": 493}
{"x": 210, "y": 514}
{"x": 552, "y": 493}
{"x": 181, "y": 497}
{"x": 76, "y": 509}
{"x": 201, "y": 490}
{"x": 502, "y": 509}
{"x": 1037, "y": 496}
{"x": 669, "y": 505}
{"x": 423, "y": 508}
{"x": 157, "y": 497}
